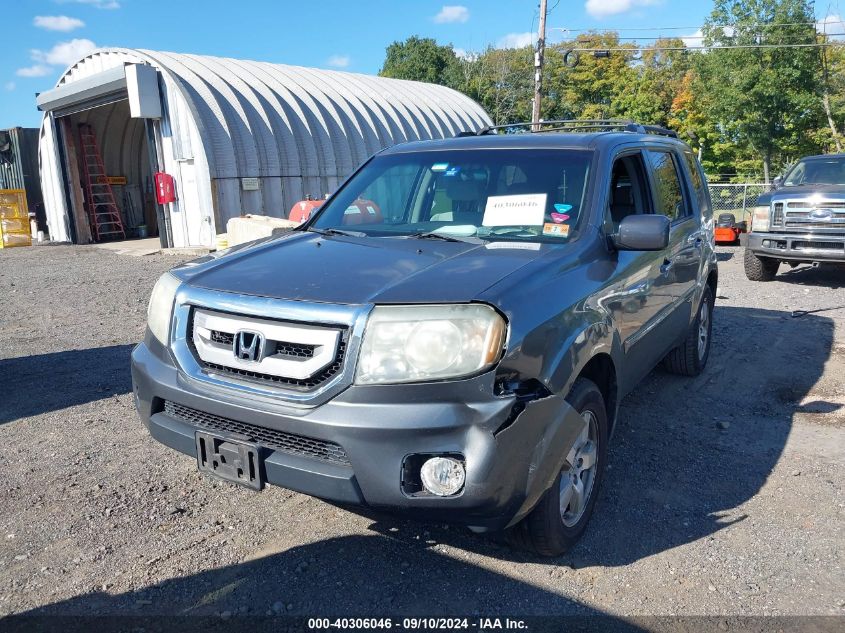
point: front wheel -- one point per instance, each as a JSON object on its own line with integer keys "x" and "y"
{"x": 759, "y": 268}
{"x": 561, "y": 516}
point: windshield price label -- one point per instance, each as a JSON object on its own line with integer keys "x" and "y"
{"x": 522, "y": 210}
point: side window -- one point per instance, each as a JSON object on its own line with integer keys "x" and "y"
{"x": 669, "y": 194}
{"x": 627, "y": 189}
{"x": 391, "y": 193}
{"x": 697, "y": 180}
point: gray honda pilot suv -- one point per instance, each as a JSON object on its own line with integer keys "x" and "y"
{"x": 450, "y": 336}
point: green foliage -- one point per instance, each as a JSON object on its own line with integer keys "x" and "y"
{"x": 422, "y": 59}
{"x": 749, "y": 111}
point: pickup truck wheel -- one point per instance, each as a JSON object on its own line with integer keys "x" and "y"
{"x": 760, "y": 268}
{"x": 690, "y": 357}
{"x": 561, "y": 516}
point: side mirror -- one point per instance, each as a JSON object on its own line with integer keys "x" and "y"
{"x": 642, "y": 233}
{"x": 777, "y": 183}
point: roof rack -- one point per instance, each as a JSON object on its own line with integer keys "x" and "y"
{"x": 579, "y": 125}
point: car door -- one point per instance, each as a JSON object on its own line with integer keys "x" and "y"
{"x": 635, "y": 300}
{"x": 680, "y": 269}
{"x": 681, "y": 261}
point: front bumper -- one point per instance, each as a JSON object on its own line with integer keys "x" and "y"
{"x": 511, "y": 460}
{"x": 805, "y": 247}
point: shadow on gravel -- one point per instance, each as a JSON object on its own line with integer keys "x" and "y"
{"x": 346, "y": 576}
{"x": 828, "y": 275}
{"x": 38, "y": 384}
{"x": 689, "y": 452}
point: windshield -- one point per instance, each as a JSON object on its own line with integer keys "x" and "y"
{"x": 817, "y": 171}
{"x": 531, "y": 195}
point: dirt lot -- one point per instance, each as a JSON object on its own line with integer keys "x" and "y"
{"x": 724, "y": 494}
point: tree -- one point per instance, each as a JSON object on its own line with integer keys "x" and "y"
{"x": 504, "y": 84}
{"x": 593, "y": 87}
{"x": 422, "y": 59}
{"x": 765, "y": 98}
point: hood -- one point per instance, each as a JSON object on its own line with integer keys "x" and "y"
{"x": 802, "y": 191}
{"x": 352, "y": 270}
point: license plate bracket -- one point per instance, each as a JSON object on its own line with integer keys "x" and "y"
{"x": 231, "y": 460}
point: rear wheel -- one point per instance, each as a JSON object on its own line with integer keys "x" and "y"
{"x": 561, "y": 516}
{"x": 760, "y": 268}
{"x": 690, "y": 357}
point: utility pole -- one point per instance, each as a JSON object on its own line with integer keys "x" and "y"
{"x": 538, "y": 68}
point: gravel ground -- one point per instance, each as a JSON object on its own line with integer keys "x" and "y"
{"x": 724, "y": 494}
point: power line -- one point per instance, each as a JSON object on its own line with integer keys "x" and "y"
{"x": 714, "y": 26}
{"x": 698, "y": 48}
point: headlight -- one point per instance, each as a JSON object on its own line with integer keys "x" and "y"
{"x": 760, "y": 218}
{"x": 160, "y": 309}
{"x": 417, "y": 343}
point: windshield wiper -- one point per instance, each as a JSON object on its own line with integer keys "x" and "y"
{"x": 446, "y": 237}
{"x": 331, "y": 231}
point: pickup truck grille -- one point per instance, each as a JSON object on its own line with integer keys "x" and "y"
{"x": 824, "y": 216}
{"x": 269, "y": 438}
{"x": 290, "y": 355}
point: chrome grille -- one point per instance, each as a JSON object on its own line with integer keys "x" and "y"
{"x": 269, "y": 438}
{"x": 777, "y": 215}
{"x": 818, "y": 215}
{"x": 302, "y": 365}
{"x": 269, "y": 379}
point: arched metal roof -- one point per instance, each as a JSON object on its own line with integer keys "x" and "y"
{"x": 272, "y": 120}
{"x": 297, "y": 130}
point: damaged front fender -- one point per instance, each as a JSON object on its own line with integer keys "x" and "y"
{"x": 546, "y": 429}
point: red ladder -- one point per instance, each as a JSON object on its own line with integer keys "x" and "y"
{"x": 102, "y": 209}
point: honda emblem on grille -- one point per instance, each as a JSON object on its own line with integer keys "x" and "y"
{"x": 248, "y": 345}
{"x": 821, "y": 214}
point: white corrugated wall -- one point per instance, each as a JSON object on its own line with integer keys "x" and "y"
{"x": 298, "y": 130}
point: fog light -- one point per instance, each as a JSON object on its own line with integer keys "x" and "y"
{"x": 767, "y": 243}
{"x": 443, "y": 476}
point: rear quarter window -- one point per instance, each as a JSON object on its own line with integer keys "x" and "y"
{"x": 669, "y": 192}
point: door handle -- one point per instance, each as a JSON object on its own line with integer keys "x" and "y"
{"x": 695, "y": 240}
{"x": 666, "y": 266}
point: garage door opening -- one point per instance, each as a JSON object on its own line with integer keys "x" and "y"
{"x": 109, "y": 179}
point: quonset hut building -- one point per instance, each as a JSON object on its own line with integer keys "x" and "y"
{"x": 231, "y": 136}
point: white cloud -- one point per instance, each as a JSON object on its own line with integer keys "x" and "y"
{"x": 57, "y": 23}
{"x": 831, "y": 25}
{"x": 462, "y": 53}
{"x": 9, "y": 86}
{"x": 339, "y": 61}
{"x": 64, "y": 53}
{"x": 516, "y": 40}
{"x": 97, "y": 4}
{"x": 36, "y": 70}
{"x": 693, "y": 39}
{"x": 452, "y": 13}
{"x": 605, "y": 8}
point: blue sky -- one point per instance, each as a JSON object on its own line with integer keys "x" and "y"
{"x": 42, "y": 37}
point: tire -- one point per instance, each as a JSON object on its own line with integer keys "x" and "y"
{"x": 690, "y": 357}
{"x": 760, "y": 268}
{"x": 547, "y": 531}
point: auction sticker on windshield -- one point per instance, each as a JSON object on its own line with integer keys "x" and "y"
{"x": 558, "y": 230}
{"x": 521, "y": 210}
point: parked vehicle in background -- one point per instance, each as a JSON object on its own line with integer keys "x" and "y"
{"x": 801, "y": 221}
{"x": 728, "y": 229}
{"x": 450, "y": 335}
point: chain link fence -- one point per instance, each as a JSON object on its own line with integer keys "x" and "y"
{"x": 738, "y": 199}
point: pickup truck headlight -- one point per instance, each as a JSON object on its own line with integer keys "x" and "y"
{"x": 419, "y": 343}
{"x": 160, "y": 310}
{"x": 760, "y": 218}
